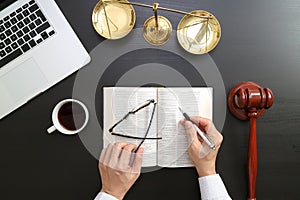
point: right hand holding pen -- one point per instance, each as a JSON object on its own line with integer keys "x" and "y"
{"x": 203, "y": 157}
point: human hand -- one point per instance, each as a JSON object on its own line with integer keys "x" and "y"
{"x": 116, "y": 174}
{"x": 202, "y": 156}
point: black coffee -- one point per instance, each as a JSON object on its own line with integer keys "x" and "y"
{"x": 71, "y": 116}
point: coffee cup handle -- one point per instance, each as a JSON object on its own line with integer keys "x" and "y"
{"x": 51, "y": 129}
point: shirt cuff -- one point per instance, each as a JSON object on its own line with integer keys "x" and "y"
{"x": 105, "y": 196}
{"x": 213, "y": 188}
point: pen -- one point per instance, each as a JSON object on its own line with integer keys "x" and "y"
{"x": 203, "y": 136}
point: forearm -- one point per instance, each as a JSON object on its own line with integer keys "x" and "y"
{"x": 213, "y": 188}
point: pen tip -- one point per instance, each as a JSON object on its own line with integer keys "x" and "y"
{"x": 180, "y": 109}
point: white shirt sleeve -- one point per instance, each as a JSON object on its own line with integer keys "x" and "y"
{"x": 213, "y": 188}
{"x": 105, "y": 196}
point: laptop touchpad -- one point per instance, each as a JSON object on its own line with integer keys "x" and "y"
{"x": 24, "y": 80}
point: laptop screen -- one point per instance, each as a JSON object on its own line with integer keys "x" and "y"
{"x": 5, "y": 3}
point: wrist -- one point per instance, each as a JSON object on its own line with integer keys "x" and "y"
{"x": 114, "y": 194}
{"x": 202, "y": 173}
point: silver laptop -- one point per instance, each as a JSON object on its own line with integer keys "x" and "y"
{"x": 38, "y": 48}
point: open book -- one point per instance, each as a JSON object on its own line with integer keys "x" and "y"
{"x": 171, "y": 150}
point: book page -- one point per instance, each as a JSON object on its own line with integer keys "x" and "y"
{"x": 118, "y": 101}
{"x": 173, "y": 148}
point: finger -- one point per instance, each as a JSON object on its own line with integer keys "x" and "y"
{"x": 120, "y": 145}
{"x": 217, "y": 137}
{"x": 138, "y": 160}
{"x": 195, "y": 119}
{"x": 191, "y": 132}
{"x": 101, "y": 159}
{"x": 115, "y": 154}
{"x": 182, "y": 121}
{"x": 125, "y": 155}
{"x": 140, "y": 150}
{"x": 214, "y": 134}
{"x": 200, "y": 138}
{"x": 204, "y": 123}
{"x": 124, "y": 159}
{"x": 107, "y": 154}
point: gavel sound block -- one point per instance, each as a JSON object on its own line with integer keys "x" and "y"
{"x": 249, "y": 101}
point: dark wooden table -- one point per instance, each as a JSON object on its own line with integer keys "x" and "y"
{"x": 260, "y": 42}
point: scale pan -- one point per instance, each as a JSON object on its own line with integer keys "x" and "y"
{"x": 113, "y": 20}
{"x": 199, "y": 35}
{"x": 157, "y": 35}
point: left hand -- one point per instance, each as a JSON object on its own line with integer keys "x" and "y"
{"x": 116, "y": 174}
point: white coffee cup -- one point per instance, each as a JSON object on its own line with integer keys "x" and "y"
{"x": 59, "y": 113}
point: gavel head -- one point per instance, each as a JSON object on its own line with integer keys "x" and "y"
{"x": 248, "y": 99}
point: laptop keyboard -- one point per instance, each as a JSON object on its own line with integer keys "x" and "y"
{"x": 22, "y": 30}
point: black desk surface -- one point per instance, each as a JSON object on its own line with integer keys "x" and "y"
{"x": 260, "y": 42}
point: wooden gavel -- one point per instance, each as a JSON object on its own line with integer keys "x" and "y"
{"x": 249, "y": 101}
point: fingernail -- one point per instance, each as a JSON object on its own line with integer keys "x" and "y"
{"x": 141, "y": 150}
{"x": 188, "y": 124}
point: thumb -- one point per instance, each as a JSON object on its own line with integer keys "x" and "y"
{"x": 191, "y": 132}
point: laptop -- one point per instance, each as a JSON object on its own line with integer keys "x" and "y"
{"x": 38, "y": 48}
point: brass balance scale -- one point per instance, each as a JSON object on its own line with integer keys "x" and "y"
{"x": 198, "y": 32}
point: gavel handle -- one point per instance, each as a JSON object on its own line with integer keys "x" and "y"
{"x": 252, "y": 159}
